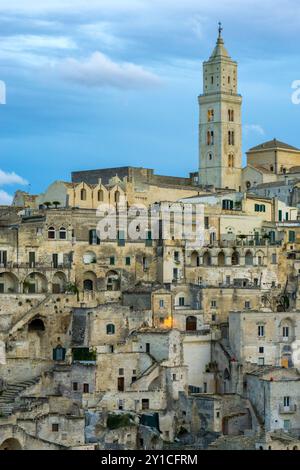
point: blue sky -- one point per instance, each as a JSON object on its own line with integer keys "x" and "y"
{"x": 97, "y": 83}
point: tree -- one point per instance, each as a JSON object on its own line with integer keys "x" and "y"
{"x": 56, "y": 204}
{"x": 47, "y": 204}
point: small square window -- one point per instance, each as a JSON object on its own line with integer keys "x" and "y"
{"x": 261, "y": 349}
{"x": 121, "y": 371}
{"x": 86, "y": 388}
{"x": 55, "y": 427}
{"x": 75, "y": 386}
{"x": 127, "y": 261}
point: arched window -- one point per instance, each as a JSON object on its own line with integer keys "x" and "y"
{"x": 62, "y": 233}
{"x": 231, "y": 160}
{"x": 191, "y": 324}
{"x": 230, "y": 137}
{"x": 100, "y": 195}
{"x": 83, "y": 194}
{"x": 110, "y": 329}
{"x": 230, "y": 115}
{"x": 248, "y": 258}
{"x": 208, "y": 138}
{"x": 88, "y": 284}
{"x": 207, "y": 259}
{"x": 235, "y": 259}
{"x": 221, "y": 258}
{"x": 51, "y": 233}
{"x": 195, "y": 259}
{"x": 117, "y": 196}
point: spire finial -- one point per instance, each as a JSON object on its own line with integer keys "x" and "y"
{"x": 220, "y": 29}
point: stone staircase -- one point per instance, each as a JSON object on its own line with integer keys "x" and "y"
{"x": 9, "y": 396}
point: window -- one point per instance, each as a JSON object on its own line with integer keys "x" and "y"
{"x": 100, "y": 195}
{"x": 145, "y": 404}
{"x": 117, "y": 196}
{"x": 230, "y": 137}
{"x": 110, "y": 329}
{"x": 261, "y": 350}
{"x": 285, "y": 331}
{"x": 212, "y": 80}
{"x": 31, "y": 259}
{"x": 204, "y": 387}
{"x": 127, "y": 260}
{"x": 176, "y": 256}
{"x": 213, "y": 304}
{"x": 247, "y": 304}
{"x": 112, "y": 260}
{"x": 231, "y": 160}
{"x": 62, "y": 233}
{"x": 286, "y": 401}
{"x": 274, "y": 258}
{"x": 227, "y": 204}
{"x": 230, "y": 113}
{"x": 148, "y": 347}
{"x": 260, "y": 208}
{"x": 206, "y": 223}
{"x": 210, "y": 137}
{"x": 175, "y": 274}
{"x": 55, "y": 427}
{"x": 181, "y": 301}
{"x": 161, "y": 303}
{"x": 3, "y": 258}
{"x": 83, "y": 194}
{"x": 75, "y": 386}
{"x": 174, "y": 377}
{"x": 292, "y": 236}
{"x": 93, "y": 237}
{"x": 210, "y": 115}
{"x": 51, "y": 233}
{"x": 280, "y": 215}
{"x": 86, "y": 388}
{"x": 286, "y": 216}
{"x": 235, "y": 259}
{"x": 121, "y": 371}
{"x": 261, "y": 331}
{"x": 261, "y": 361}
{"x": 59, "y": 354}
{"x": 121, "y": 238}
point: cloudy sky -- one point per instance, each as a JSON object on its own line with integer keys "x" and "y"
{"x": 97, "y": 83}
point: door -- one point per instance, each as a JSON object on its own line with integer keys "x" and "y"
{"x": 32, "y": 259}
{"x": 121, "y": 384}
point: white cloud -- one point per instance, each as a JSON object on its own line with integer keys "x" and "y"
{"x": 11, "y": 178}
{"x": 5, "y": 198}
{"x": 100, "y": 71}
{"x": 253, "y": 128}
{"x": 25, "y": 42}
{"x": 102, "y": 32}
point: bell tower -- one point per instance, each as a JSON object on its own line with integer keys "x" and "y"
{"x": 220, "y": 130}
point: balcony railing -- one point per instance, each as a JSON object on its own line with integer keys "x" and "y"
{"x": 39, "y": 266}
{"x": 287, "y": 409}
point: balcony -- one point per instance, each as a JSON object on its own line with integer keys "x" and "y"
{"x": 287, "y": 409}
{"x": 35, "y": 266}
{"x": 287, "y": 339}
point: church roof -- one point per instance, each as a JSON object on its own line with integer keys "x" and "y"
{"x": 273, "y": 144}
{"x": 220, "y": 50}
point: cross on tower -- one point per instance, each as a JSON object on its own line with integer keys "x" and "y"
{"x": 220, "y": 29}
